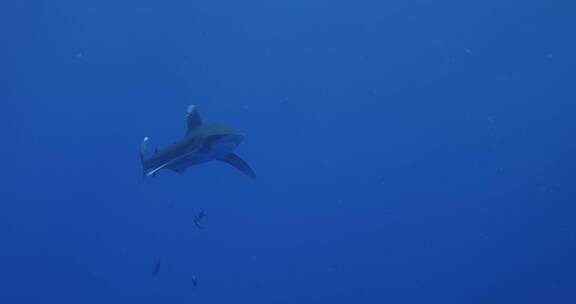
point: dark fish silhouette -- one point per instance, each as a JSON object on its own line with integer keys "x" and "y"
{"x": 202, "y": 143}
{"x": 194, "y": 281}
{"x": 157, "y": 267}
{"x": 198, "y": 219}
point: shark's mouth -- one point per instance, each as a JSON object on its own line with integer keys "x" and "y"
{"x": 225, "y": 145}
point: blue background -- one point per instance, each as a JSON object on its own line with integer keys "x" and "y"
{"x": 407, "y": 151}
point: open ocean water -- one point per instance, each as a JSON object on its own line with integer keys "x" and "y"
{"x": 405, "y": 151}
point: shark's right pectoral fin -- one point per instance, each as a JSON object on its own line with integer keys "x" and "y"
{"x": 167, "y": 165}
{"x": 239, "y": 164}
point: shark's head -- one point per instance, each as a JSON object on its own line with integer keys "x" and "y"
{"x": 224, "y": 144}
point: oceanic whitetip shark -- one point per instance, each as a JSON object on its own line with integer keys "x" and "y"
{"x": 202, "y": 143}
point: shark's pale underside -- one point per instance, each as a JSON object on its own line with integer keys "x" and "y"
{"x": 202, "y": 143}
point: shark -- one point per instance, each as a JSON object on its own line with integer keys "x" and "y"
{"x": 201, "y": 143}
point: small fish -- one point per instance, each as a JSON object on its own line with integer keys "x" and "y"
{"x": 198, "y": 219}
{"x": 194, "y": 281}
{"x": 157, "y": 267}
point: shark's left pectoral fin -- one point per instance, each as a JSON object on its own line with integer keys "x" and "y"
{"x": 239, "y": 164}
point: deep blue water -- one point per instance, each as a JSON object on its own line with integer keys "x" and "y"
{"x": 406, "y": 151}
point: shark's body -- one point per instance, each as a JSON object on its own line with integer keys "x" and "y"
{"x": 202, "y": 143}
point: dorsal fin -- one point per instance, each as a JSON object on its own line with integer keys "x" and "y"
{"x": 193, "y": 119}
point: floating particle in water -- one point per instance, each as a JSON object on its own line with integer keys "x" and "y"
{"x": 491, "y": 118}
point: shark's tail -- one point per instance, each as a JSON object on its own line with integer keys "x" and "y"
{"x": 143, "y": 146}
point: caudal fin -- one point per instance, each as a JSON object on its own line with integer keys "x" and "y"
{"x": 143, "y": 146}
